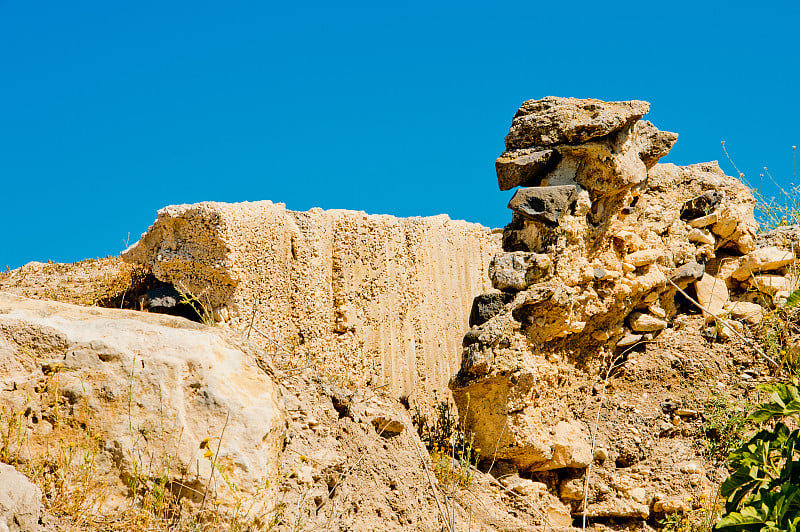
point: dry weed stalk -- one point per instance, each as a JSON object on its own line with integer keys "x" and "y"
{"x": 611, "y": 368}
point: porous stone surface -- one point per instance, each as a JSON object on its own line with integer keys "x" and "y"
{"x": 517, "y": 270}
{"x": 554, "y": 120}
{"x": 20, "y": 502}
{"x": 151, "y": 388}
{"x": 379, "y": 300}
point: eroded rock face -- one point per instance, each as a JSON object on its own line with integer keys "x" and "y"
{"x": 378, "y": 300}
{"x": 617, "y": 228}
{"x": 147, "y": 390}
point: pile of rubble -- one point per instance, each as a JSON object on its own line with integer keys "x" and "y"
{"x": 604, "y": 250}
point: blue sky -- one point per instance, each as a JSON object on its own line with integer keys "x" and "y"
{"x": 111, "y": 110}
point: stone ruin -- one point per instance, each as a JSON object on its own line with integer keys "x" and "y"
{"x": 601, "y": 237}
{"x": 604, "y": 252}
{"x": 375, "y": 300}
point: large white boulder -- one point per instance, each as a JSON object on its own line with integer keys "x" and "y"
{"x": 146, "y": 396}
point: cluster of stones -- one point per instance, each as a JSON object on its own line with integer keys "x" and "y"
{"x": 601, "y": 242}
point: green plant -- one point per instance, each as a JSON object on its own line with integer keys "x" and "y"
{"x": 763, "y": 492}
{"x": 452, "y": 452}
{"x": 700, "y": 519}
{"x": 724, "y": 424}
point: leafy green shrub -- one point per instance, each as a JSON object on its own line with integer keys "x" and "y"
{"x": 763, "y": 493}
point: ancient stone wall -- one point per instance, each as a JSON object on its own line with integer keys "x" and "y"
{"x": 604, "y": 252}
{"x": 375, "y": 299}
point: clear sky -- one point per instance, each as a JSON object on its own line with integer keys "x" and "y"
{"x": 112, "y": 110}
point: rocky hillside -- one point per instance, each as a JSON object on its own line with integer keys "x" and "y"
{"x": 597, "y": 350}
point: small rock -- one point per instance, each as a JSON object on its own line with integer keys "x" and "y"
{"x": 543, "y": 204}
{"x": 517, "y": 270}
{"x": 763, "y": 259}
{"x": 771, "y": 284}
{"x": 705, "y": 221}
{"x": 668, "y": 405}
{"x": 691, "y": 468}
{"x": 712, "y": 293}
{"x": 305, "y": 475}
{"x": 780, "y": 298}
{"x": 750, "y": 313}
{"x": 525, "y": 170}
{"x": 629, "y": 339}
{"x": 671, "y": 506}
{"x": 687, "y": 273}
{"x": 686, "y": 412}
{"x": 651, "y": 297}
{"x": 641, "y": 322}
{"x": 702, "y": 205}
{"x": 701, "y": 235}
{"x": 387, "y": 427}
{"x": 600, "y": 455}
{"x": 644, "y": 257}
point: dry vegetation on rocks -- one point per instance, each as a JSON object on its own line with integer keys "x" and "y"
{"x": 613, "y": 344}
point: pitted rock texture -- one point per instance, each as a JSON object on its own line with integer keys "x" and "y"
{"x": 553, "y": 120}
{"x": 379, "y": 300}
{"x": 146, "y": 389}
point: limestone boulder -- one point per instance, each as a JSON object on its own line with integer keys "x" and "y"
{"x": 487, "y": 306}
{"x": 786, "y": 237}
{"x": 553, "y": 120}
{"x": 702, "y": 205}
{"x": 152, "y": 396}
{"x": 20, "y": 502}
{"x": 653, "y": 144}
{"x": 642, "y": 322}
